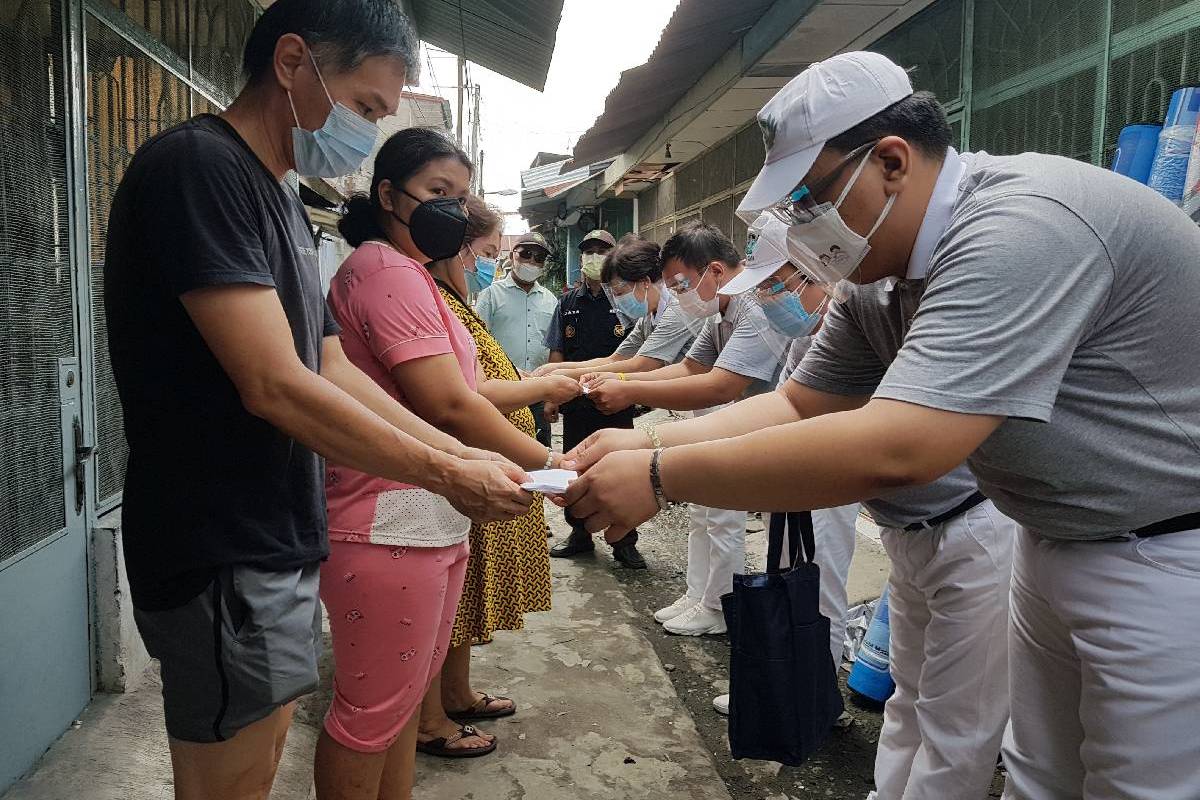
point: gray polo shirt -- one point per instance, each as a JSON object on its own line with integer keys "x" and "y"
{"x": 663, "y": 336}
{"x": 740, "y": 341}
{"x": 1063, "y": 297}
{"x": 849, "y": 356}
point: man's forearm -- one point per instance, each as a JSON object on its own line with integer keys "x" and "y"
{"x": 745, "y": 416}
{"x": 795, "y": 467}
{"x": 689, "y": 393}
{"x": 331, "y": 422}
{"x": 681, "y": 370}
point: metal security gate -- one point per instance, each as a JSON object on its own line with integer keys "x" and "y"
{"x": 83, "y": 83}
{"x": 45, "y": 658}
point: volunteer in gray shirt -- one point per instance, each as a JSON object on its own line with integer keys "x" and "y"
{"x": 659, "y": 334}
{"x": 1055, "y": 348}
{"x": 735, "y": 354}
{"x": 951, "y": 550}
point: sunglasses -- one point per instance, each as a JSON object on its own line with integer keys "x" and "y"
{"x": 536, "y": 255}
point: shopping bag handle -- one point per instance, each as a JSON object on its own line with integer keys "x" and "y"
{"x": 799, "y": 528}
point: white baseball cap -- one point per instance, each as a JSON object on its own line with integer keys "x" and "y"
{"x": 769, "y": 254}
{"x": 825, "y": 100}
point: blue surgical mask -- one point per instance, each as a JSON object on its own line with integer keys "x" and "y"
{"x": 787, "y": 317}
{"x": 630, "y": 306}
{"x": 337, "y": 148}
{"x": 484, "y": 274}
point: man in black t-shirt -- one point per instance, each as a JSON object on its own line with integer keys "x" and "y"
{"x": 586, "y": 326}
{"x": 234, "y": 386}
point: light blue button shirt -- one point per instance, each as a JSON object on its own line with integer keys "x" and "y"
{"x": 518, "y": 319}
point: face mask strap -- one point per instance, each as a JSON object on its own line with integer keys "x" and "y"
{"x": 854, "y": 178}
{"x": 313, "y": 58}
{"x": 882, "y": 216}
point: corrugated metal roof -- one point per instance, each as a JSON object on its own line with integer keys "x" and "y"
{"x": 698, "y": 34}
{"x": 549, "y": 180}
{"x": 512, "y": 37}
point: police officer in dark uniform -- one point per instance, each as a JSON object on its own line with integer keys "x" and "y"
{"x": 586, "y": 326}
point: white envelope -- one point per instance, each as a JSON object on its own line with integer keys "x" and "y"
{"x": 549, "y": 481}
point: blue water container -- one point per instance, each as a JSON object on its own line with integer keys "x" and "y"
{"x": 870, "y": 675}
{"x": 1169, "y": 172}
{"x": 1136, "y": 147}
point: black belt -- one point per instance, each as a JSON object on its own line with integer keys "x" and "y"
{"x": 966, "y": 505}
{"x": 1184, "y": 522}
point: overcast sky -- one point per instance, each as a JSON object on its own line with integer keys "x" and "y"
{"x": 596, "y": 41}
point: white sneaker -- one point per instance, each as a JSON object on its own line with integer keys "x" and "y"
{"x": 696, "y": 621}
{"x": 675, "y": 609}
{"x": 721, "y": 704}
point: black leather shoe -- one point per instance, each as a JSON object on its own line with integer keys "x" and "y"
{"x": 571, "y": 546}
{"x": 627, "y": 553}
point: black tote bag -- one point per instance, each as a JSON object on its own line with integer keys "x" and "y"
{"x": 783, "y": 692}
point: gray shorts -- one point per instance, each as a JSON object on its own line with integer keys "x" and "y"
{"x": 236, "y": 652}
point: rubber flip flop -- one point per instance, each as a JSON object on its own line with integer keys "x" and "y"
{"x": 441, "y": 748}
{"x": 479, "y": 710}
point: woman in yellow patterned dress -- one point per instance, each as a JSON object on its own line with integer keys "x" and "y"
{"x": 508, "y": 574}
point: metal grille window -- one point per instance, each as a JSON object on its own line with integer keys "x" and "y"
{"x": 719, "y": 214}
{"x": 648, "y": 206}
{"x": 738, "y": 232}
{"x": 666, "y": 196}
{"x": 689, "y": 183}
{"x": 36, "y": 316}
{"x": 219, "y": 32}
{"x": 165, "y": 20}
{"x": 1056, "y": 118}
{"x": 932, "y": 43}
{"x": 130, "y": 98}
{"x": 748, "y": 153}
{"x": 1017, "y": 39}
{"x": 718, "y": 168}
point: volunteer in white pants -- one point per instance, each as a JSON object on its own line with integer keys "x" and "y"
{"x": 951, "y": 550}
{"x": 716, "y": 551}
{"x": 1054, "y": 348}
{"x": 734, "y": 355}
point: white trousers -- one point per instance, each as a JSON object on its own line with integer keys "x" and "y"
{"x": 716, "y": 550}
{"x": 948, "y": 603}
{"x": 1105, "y": 651}
{"x": 833, "y": 535}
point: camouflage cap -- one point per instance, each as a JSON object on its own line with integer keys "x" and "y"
{"x": 536, "y": 239}
{"x": 598, "y": 235}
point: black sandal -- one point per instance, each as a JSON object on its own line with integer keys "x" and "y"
{"x": 479, "y": 710}
{"x": 441, "y": 748}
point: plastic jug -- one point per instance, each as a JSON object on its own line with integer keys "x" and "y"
{"x": 1135, "y": 151}
{"x": 870, "y": 675}
{"x": 1169, "y": 173}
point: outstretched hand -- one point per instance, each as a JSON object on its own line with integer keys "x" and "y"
{"x": 613, "y": 496}
{"x": 601, "y": 443}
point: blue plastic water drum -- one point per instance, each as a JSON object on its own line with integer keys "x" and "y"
{"x": 1136, "y": 147}
{"x": 1169, "y": 172}
{"x": 870, "y": 675}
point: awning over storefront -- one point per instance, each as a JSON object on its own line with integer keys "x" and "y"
{"x": 512, "y": 37}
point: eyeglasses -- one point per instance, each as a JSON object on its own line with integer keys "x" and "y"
{"x": 801, "y": 204}
{"x": 680, "y": 283}
{"x": 536, "y": 255}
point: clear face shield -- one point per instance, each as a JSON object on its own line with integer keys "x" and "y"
{"x": 697, "y": 297}
{"x": 631, "y": 299}
{"x": 791, "y": 303}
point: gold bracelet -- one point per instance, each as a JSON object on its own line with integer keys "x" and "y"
{"x": 621, "y": 376}
{"x": 655, "y": 439}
